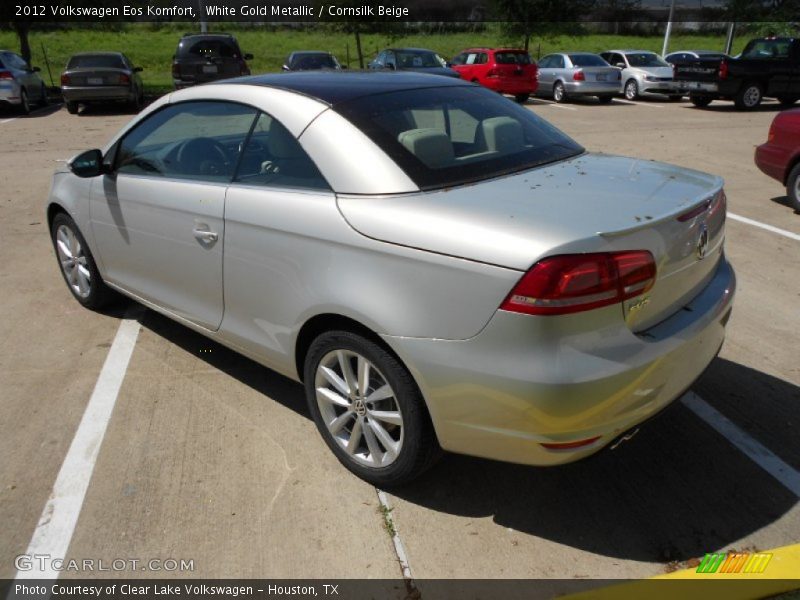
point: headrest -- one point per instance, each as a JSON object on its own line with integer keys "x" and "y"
{"x": 431, "y": 146}
{"x": 503, "y": 135}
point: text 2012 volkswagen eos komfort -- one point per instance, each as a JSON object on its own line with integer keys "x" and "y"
{"x": 439, "y": 266}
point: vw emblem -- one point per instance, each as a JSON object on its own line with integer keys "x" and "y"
{"x": 702, "y": 242}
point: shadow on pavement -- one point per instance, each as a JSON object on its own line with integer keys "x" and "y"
{"x": 675, "y": 491}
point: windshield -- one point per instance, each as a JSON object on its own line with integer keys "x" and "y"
{"x": 417, "y": 60}
{"x": 209, "y": 48}
{"x": 512, "y": 58}
{"x": 767, "y": 49}
{"x": 452, "y": 135}
{"x": 645, "y": 59}
{"x": 102, "y": 61}
{"x": 587, "y": 60}
{"x": 308, "y": 62}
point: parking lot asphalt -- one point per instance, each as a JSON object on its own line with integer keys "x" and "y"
{"x": 209, "y": 457}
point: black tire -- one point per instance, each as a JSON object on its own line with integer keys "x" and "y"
{"x": 72, "y": 108}
{"x": 522, "y": 98}
{"x": 24, "y": 104}
{"x": 787, "y": 100}
{"x": 700, "y": 101}
{"x": 631, "y": 90}
{"x": 419, "y": 448}
{"x": 605, "y": 99}
{"x": 99, "y": 294}
{"x": 559, "y": 93}
{"x": 793, "y": 188}
{"x": 749, "y": 96}
{"x": 137, "y": 103}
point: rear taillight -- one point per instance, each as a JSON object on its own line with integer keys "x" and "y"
{"x": 64, "y": 79}
{"x": 124, "y": 79}
{"x": 6, "y": 75}
{"x": 723, "y": 70}
{"x": 573, "y": 283}
{"x": 176, "y": 71}
{"x": 718, "y": 203}
{"x": 578, "y": 76}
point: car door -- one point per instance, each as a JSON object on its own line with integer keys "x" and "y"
{"x": 157, "y": 216}
{"x": 279, "y": 211}
{"x": 546, "y": 74}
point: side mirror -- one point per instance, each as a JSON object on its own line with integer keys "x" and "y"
{"x": 248, "y": 56}
{"x": 87, "y": 164}
{"x": 284, "y": 68}
{"x": 391, "y": 65}
{"x": 620, "y": 65}
{"x": 137, "y": 69}
{"x": 36, "y": 69}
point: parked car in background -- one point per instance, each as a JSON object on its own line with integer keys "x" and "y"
{"x": 20, "y": 84}
{"x": 418, "y": 60}
{"x": 779, "y": 157}
{"x": 767, "y": 67}
{"x": 684, "y": 55}
{"x": 487, "y": 287}
{"x": 206, "y": 57}
{"x": 101, "y": 77}
{"x": 309, "y": 60}
{"x": 504, "y": 70}
{"x": 571, "y": 74}
{"x": 643, "y": 72}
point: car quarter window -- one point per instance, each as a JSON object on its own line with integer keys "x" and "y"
{"x": 273, "y": 157}
{"x": 558, "y": 61}
{"x": 191, "y": 140}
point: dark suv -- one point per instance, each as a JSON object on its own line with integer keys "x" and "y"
{"x": 206, "y": 57}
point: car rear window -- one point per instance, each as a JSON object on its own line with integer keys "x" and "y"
{"x": 453, "y": 135}
{"x": 417, "y": 60}
{"x": 214, "y": 48}
{"x": 512, "y": 58}
{"x": 312, "y": 61}
{"x": 645, "y": 59}
{"x": 587, "y": 60}
{"x": 767, "y": 49}
{"x": 102, "y": 61}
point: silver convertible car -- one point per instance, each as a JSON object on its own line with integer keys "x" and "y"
{"x": 440, "y": 267}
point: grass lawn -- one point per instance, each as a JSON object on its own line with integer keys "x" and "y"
{"x": 152, "y": 48}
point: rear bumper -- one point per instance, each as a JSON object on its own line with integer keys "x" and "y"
{"x": 698, "y": 87}
{"x": 9, "y": 91}
{"x": 97, "y": 93}
{"x": 591, "y": 88}
{"x": 659, "y": 87}
{"x": 511, "y": 85}
{"x": 772, "y": 160}
{"x": 524, "y": 381}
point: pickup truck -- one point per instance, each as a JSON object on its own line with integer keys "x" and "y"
{"x": 767, "y": 67}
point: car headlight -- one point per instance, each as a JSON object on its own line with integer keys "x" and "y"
{"x": 650, "y": 78}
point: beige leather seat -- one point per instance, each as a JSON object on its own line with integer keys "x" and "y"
{"x": 431, "y": 146}
{"x": 503, "y": 135}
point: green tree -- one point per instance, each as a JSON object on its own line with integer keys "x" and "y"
{"x": 542, "y": 18}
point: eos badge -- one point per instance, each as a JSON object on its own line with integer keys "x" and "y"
{"x": 702, "y": 242}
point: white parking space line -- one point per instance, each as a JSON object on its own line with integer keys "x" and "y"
{"x": 789, "y": 234}
{"x": 755, "y": 451}
{"x": 56, "y": 525}
{"x": 650, "y": 104}
{"x": 7, "y": 121}
{"x": 399, "y": 549}
{"x": 554, "y": 104}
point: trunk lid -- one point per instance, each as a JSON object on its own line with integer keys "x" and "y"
{"x": 89, "y": 77}
{"x": 591, "y": 203}
{"x": 703, "y": 70}
{"x": 603, "y": 74}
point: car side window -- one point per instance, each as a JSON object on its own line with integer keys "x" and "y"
{"x": 459, "y": 59}
{"x": 483, "y": 58}
{"x": 273, "y": 157}
{"x": 471, "y": 58}
{"x": 191, "y": 140}
{"x": 558, "y": 62}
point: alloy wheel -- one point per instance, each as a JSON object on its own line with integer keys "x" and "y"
{"x": 558, "y": 92}
{"x": 359, "y": 408}
{"x": 631, "y": 90}
{"x": 73, "y": 261}
{"x": 752, "y": 96}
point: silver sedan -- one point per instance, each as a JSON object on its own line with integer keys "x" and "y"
{"x": 440, "y": 267}
{"x": 568, "y": 75}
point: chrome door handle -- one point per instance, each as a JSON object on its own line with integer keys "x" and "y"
{"x": 204, "y": 235}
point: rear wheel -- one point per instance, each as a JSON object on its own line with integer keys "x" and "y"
{"x": 137, "y": 103}
{"x": 522, "y": 98}
{"x": 605, "y": 99}
{"x": 559, "y": 94}
{"x": 749, "y": 96}
{"x": 700, "y": 101}
{"x": 24, "y": 104}
{"x": 631, "y": 89}
{"x": 793, "y": 188}
{"x": 72, "y": 108}
{"x": 368, "y": 409}
{"x": 77, "y": 264}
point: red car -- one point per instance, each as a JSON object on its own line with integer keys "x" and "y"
{"x": 505, "y": 70}
{"x": 780, "y": 156}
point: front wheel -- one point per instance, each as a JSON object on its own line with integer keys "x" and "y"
{"x": 522, "y": 98}
{"x": 793, "y": 188}
{"x": 72, "y": 108}
{"x": 749, "y": 96}
{"x": 368, "y": 409}
{"x": 24, "y": 104}
{"x": 559, "y": 94}
{"x": 77, "y": 264}
{"x": 700, "y": 101}
{"x": 631, "y": 90}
